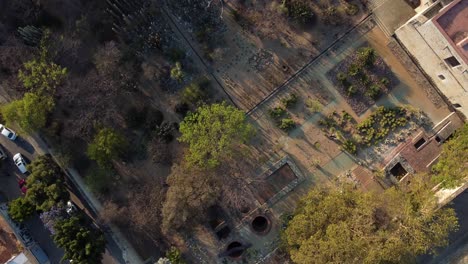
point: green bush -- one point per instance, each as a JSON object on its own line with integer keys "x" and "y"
{"x": 192, "y": 93}
{"x": 314, "y": 105}
{"x": 177, "y": 72}
{"x": 290, "y": 100}
{"x": 366, "y": 56}
{"x": 174, "y": 256}
{"x": 354, "y": 69}
{"x": 352, "y": 90}
{"x": 287, "y": 124}
{"x": 373, "y": 91}
{"x": 276, "y": 112}
{"x": 106, "y": 146}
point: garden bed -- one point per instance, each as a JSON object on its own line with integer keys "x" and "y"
{"x": 362, "y": 78}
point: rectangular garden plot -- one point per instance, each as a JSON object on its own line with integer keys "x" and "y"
{"x": 274, "y": 183}
{"x": 362, "y": 78}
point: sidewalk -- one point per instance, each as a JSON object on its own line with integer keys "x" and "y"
{"x": 120, "y": 248}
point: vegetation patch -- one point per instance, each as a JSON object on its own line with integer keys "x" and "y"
{"x": 351, "y": 135}
{"x": 362, "y": 78}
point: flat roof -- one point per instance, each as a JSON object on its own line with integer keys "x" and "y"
{"x": 452, "y": 22}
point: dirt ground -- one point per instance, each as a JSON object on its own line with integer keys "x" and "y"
{"x": 316, "y": 155}
{"x": 9, "y": 245}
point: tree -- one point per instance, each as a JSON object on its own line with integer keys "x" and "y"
{"x": 49, "y": 218}
{"x": 452, "y": 168}
{"x": 81, "y": 243}
{"x": 213, "y": 132}
{"x": 45, "y": 184}
{"x": 42, "y": 74}
{"x": 20, "y": 209}
{"x": 30, "y": 112}
{"x": 349, "y": 226}
{"x": 106, "y": 146}
{"x": 191, "y": 190}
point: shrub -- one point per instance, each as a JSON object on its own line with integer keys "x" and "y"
{"x": 192, "y": 93}
{"x": 290, "y": 100}
{"x": 373, "y": 91}
{"x": 385, "y": 81}
{"x": 177, "y": 73}
{"x": 350, "y": 146}
{"x": 354, "y": 69}
{"x": 174, "y": 256}
{"x": 366, "y": 56}
{"x": 341, "y": 77}
{"x": 351, "y": 9}
{"x": 299, "y": 11}
{"x": 352, "y": 90}
{"x": 287, "y": 124}
{"x": 276, "y": 112}
{"x": 314, "y": 105}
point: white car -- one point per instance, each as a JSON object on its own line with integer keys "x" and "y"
{"x": 20, "y": 163}
{"x": 71, "y": 208}
{"x": 10, "y": 134}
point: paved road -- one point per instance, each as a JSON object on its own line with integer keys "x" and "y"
{"x": 9, "y": 176}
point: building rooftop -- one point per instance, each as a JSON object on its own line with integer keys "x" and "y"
{"x": 452, "y": 22}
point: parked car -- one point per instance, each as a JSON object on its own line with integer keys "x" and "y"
{"x": 22, "y": 186}
{"x": 3, "y": 154}
{"x": 71, "y": 208}
{"x": 20, "y": 163}
{"x": 10, "y": 134}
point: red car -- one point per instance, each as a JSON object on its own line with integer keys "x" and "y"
{"x": 22, "y": 186}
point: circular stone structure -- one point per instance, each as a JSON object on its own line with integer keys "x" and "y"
{"x": 235, "y": 249}
{"x": 260, "y": 224}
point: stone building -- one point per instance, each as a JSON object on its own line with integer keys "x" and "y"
{"x": 437, "y": 38}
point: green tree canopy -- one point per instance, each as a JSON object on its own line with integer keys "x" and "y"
{"x": 106, "y": 146}
{"x": 81, "y": 243}
{"x": 30, "y": 112}
{"x": 452, "y": 168}
{"x": 45, "y": 184}
{"x": 349, "y": 226}
{"x": 20, "y": 209}
{"x": 42, "y": 74}
{"x": 213, "y": 132}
